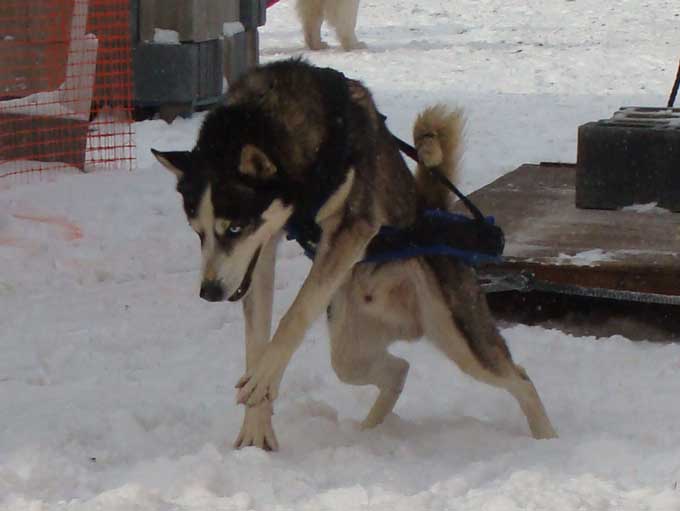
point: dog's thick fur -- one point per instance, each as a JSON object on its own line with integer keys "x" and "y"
{"x": 340, "y": 14}
{"x": 294, "y": 142}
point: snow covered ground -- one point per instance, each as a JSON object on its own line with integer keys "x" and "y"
{"x": 116, "y": 381}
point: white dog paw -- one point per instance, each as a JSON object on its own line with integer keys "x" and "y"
{"x": 372, "y": 421}
{"x": 356, "y": 45}
{"x": 257, "y": 430}
{"x": 318, "y": 46}
{"x": 262, "y": 383}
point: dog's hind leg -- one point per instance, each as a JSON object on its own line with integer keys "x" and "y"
{"x": 257, "y": 427}
{"x": 342, "y": 15}
{"x": 367, "y": 314}
{"x": 310, "y": 13}
{"x": 359, "y": 356}
{"x": 457, "y": 319}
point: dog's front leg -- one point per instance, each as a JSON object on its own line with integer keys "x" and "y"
{"x": 257, "y": 427}
{"x": 343, "y": 244}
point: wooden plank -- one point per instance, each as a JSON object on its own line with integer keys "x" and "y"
{"x": 558, "y": 243}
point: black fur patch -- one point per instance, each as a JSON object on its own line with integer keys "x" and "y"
{"x": 191, "y": 186}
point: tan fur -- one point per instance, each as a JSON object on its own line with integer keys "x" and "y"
{"x": 257, "y": 427}
{"x": 363, "y": 97}
{"x": 293, "y": 113}
{"x": 337, "y": 200}
{"x": 376, "y": 307}
{"x": 340, "y": 14}
{"x": 255, "y": 163}
{"x": 438, "y": 137}
{"x": 498, "y": 369}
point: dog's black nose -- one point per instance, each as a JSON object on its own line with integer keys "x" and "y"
{"x": 212, "y": 291}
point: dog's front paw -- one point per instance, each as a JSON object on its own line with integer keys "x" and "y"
{"x": 354, "y": 45}
{"x": 262, "y": 383}
{"x": 257, "y": 430}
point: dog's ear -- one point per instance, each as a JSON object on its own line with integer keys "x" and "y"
{"x": 177, "y": 162}
{"x": 255, "y": 163}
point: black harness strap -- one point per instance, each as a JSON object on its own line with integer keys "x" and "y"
{"x": 674, "y": 89}
{"x": 412, "y": 153}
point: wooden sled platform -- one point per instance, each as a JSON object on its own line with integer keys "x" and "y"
{"x": 631, "y": 254}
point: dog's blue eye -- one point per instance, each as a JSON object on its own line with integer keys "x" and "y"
{"x": 225, "y": 228}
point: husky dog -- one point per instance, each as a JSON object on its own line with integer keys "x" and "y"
{"x": 302, "y": 148}
{"x": 340, "y": 14}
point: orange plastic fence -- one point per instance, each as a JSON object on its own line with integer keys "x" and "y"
{"x": 65, "y": 85}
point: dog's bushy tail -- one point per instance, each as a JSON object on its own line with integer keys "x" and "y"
{"x": 438, "y": 137}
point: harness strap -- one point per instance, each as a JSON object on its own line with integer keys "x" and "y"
{"x": 470, "y": 257}
{"x": 398, "y": 244}
{"x": 412, "y": 153}
{"x": 674, "y": 89}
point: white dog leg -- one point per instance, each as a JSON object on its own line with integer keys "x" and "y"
{"x": 257, "y": 427}
{"x": 342, "y": 15}
{"x": 310, "y": 13}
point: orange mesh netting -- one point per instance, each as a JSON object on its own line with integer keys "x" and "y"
{"x": 65, "y": 85}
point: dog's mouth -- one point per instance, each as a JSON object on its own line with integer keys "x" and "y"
{"x": 245, "y": 283}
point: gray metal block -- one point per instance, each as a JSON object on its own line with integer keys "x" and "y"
{"x": 210, "y": 72}
{"x": 632, "y": 158}
{"x": 154, "y": 14}
{"x": 253, "y": 13}
{"x": 164, "y": 73}
{"x": 241, "y": 52}
{"x": 252, "y": 47}
{"x": 235, "y": 63}
{"x": 181, "y": 73}
{"x": 202, "y": 20}
{"x": 194, "y": 20}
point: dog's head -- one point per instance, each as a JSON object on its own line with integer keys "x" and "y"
{"x": 234, "y": 205}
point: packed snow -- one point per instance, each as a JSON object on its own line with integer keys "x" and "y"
{"x": 651, "y": 208}
{"x": 117, "y": 381}
{"x": 165, "y": 36}
{"x": 232, "y": 28}
{"x": 586, "y": 258}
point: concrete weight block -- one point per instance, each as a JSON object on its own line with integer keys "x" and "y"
{"x": 253, "y": 13}
{"x": 181, "y": 73}
{"x": 632, "y": 158}
{"x": 193, "y": 20}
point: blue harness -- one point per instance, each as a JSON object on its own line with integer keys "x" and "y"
{"x": 435, "y": 233}
{"x": 408, "y": 247}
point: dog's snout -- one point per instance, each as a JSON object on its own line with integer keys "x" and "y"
{"x": 212, "y": 291}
